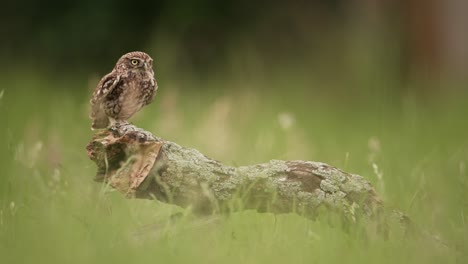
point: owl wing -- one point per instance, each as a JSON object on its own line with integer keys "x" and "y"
{"x": 105, "y": 86}
{"x": 151, "y": 92}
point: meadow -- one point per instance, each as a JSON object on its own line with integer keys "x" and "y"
{"x": 413, "y": 148}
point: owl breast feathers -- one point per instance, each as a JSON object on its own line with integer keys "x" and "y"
{"x": 124, "y": 91}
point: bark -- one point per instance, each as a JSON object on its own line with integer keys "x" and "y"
{"x": 140, "y": 165}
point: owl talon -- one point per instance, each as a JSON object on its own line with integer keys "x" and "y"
{"x": 145, "y": 136}
{"x": 132, "y": 131}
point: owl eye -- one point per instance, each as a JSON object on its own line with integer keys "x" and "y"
{"x": 134, "y": 62}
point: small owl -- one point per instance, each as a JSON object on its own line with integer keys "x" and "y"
{"x": 124, "y": 91}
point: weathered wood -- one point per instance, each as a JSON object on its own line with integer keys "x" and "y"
{"x": 141, "y": 165}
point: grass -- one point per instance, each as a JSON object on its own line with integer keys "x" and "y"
{"x": 415, "y": 152}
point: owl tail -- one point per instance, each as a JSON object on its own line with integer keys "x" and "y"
{"x": 100, "y": 122}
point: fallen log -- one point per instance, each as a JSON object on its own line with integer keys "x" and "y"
{"x": 141, "y": 165}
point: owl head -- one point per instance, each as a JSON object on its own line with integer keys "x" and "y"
{"x": 136, "y": 60}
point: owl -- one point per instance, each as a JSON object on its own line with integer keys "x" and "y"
{"x": 124, "y": 91}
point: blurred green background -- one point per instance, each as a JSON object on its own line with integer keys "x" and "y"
{"x": 377, "y": 88}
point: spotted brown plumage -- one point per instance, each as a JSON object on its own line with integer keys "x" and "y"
{"x": 124, "y": 91}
